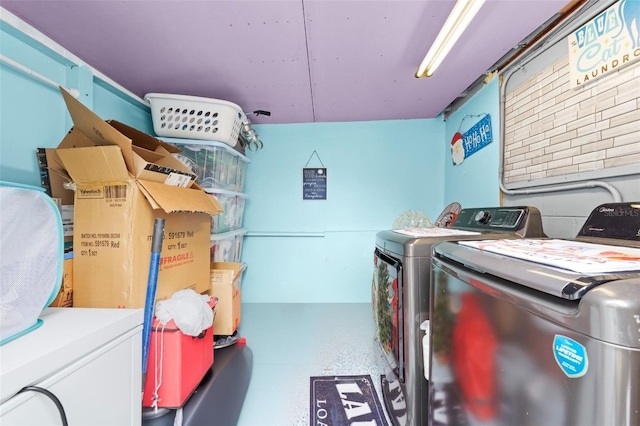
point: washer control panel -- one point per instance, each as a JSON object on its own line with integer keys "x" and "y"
{"x": 496, "y": 218}
{"x": 613, "y": 220}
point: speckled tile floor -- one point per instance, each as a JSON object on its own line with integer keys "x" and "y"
{"x": 291, "y": 343}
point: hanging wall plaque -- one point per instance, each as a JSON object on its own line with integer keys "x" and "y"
{"x": 314, "y": 181}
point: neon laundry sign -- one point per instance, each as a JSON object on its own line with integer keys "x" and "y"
{"x": 607, "y": 42}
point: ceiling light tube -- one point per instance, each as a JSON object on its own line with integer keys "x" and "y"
{"x": 460, "y": 17}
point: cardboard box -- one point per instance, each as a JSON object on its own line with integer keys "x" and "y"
{"x": 225, "y": 285}
{"x": 149, "y": 159}
{"x": 178, "y": 361}
{"x": 145, "y": 157}
{"x": 64, "y": 299}
{"x": 124, "y": 180}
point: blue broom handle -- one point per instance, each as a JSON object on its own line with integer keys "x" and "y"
{"x": 154, "y": 267}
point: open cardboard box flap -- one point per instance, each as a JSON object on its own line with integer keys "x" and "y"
{"x": 145, "y": 156}
{"x": 173, "y": 199}
{"x": 142, "y": 139}
{"x": 94, "y": 164}
{"x": 160, "y": 166}
{"x": 97, "y": 129}
{"x": 236, "y": 267}
{"x": 73, "y": 139}
{"x": 105, "y": 164}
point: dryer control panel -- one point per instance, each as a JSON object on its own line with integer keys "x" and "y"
{"x": 500, "y": 219}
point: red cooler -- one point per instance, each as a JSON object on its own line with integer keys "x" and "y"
{"x": 177, "y": 364}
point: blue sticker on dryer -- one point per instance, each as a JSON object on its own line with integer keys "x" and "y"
{"x": 571, "y": 356}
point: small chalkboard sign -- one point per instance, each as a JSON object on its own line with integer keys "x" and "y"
{"x": 314, "y": 183}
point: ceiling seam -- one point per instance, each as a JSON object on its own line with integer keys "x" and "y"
{"x": 306, "y": 41}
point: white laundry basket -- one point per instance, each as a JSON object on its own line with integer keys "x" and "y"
{"x": 193, "y": 117}
{"x": 31, "y": 257}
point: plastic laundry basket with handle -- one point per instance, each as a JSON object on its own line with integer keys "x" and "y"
{"x": 31, "y": 257}
{"x": 193, "y": 117}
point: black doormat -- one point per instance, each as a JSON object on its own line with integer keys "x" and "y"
{"x": 345, "y": 400}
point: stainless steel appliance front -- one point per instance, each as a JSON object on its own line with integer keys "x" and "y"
{"x": 530, "y": 342}
{"x": 400, "y": 298}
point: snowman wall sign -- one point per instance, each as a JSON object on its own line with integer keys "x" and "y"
{"x": 477, "y": 137}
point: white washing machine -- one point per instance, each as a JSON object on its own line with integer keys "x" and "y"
{"x": 400, "y": 297}
{"x": 539, "y": 331}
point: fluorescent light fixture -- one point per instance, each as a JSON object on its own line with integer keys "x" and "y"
{"x": 460, "y": 17}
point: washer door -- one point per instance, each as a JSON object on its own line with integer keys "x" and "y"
{"x": 386, "y": 294}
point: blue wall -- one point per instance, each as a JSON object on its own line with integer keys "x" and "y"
{"x": 474, "y": 182}
{"x": 33, "y": 114}
{"x": 375, "y": 171}
{"x": 108, "y": 103}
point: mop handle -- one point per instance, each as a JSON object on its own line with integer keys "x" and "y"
{"x": 154, "y": 267}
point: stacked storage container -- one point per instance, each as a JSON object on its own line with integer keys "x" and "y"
{"x": 221, "y": 172}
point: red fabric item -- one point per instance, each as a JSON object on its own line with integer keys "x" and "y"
{"x": 394, "y": 316}
{"x": 456, "y": 137}
{"x": 474, "y": 347}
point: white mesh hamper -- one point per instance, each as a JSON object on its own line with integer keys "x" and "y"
{"x": 31, "y": 257}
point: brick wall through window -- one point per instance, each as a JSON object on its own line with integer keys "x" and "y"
{"x": 552, "y": 130}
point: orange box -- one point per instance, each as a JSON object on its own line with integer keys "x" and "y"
{"x": 225, "y": 285}
{"x": 181, "y": 365}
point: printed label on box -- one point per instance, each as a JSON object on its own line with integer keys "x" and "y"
{"x": 66, "y": 212}
{"x": 108, "y": 192}
{"x": 94, "y": 193}
{"x": 176, "y": 249}
{"x": 177, "y": 179}
{"x": 93, "y": 244}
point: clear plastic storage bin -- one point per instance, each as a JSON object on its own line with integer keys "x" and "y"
{"x": 227, "y": 247}
{"x": 232, "y": 216}
{"x": 217, "y": 165}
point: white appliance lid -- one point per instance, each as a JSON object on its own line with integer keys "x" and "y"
{"x": 581, "y": 257}
{"x": 433, "y": 232}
